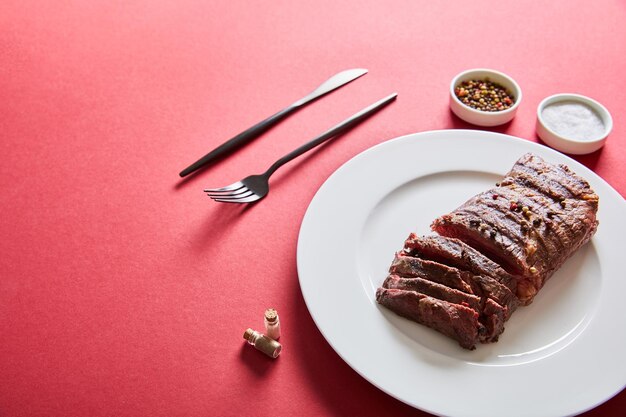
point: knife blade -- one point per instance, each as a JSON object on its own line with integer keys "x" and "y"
{"x": 338, "y": 80}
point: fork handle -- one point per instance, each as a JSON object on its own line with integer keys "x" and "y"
{"x": 332, "y": 132}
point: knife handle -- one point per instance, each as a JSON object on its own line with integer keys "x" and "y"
{"x": 239, "y": 140}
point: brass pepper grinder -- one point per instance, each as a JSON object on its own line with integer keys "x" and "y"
{"x": 263, "y": 343}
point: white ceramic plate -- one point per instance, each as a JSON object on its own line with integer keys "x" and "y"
{"x": 562, "y": 355}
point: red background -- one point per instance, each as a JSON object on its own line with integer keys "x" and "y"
{"x": 125, "y": 291}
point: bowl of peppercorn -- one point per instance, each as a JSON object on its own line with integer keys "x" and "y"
{"x": 484, "y": 97}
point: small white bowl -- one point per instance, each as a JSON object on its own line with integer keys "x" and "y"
{"x": 572, "y": 145}
{"x": 485, "y": 118}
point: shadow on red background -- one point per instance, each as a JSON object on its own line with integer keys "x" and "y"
{"x": 260, "y": 365}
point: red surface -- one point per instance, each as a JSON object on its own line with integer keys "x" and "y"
{"x": 124, "y": 291}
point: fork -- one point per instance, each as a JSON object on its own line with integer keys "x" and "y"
{"x": 255, "y": 187}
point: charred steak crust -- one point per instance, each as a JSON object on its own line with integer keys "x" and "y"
{"x": 530, "y": 224}
{"x": 454, "y": 320}
{"x": 555, "y": 181}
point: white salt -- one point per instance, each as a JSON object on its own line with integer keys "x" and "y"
{"x": 573, "y": 120}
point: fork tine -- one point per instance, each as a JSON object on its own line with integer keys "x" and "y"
{"x": 246, "y": 193}
{"x": 250, "y": 199}
{"x": 232, "y": 187}
{"x": 227, "y": 194}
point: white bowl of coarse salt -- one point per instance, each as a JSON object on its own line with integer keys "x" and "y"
{"x": 573, "y": 124}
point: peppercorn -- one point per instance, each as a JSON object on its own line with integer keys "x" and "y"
{"x": 484, "y": 95}
{"x": 533, "y": 270}
{"x": 513, "y": 205}
{"x": 530, "y": 249}
{"x": 524, "y": 227}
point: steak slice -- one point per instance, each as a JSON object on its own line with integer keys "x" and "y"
{"x": 493, "y": 317}
{"x": 489, "y": 289}
{"x": 479, "y": 285}
{"x": 455, "y": 252}
{"x": 491, "y": 314}
{"x": 537, "y": 217}
{"x": 409, "y": 266}
{"x": 432, "y": 289}
{"x": 497, "y": 233}
{"x": 453, "y": 320}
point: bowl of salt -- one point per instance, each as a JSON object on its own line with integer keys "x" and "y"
{"x": 573, "y": 124}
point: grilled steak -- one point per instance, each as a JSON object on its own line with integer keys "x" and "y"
{"x": 537, "y": 217}
{"x": 456, "y": 253}
{"x": 492, "y": 253}
{"x": 454, "y": 320}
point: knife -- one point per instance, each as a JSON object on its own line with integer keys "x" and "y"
{"x": 334, "y": 82}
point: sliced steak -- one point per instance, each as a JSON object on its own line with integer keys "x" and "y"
{"x": 454, "y": 320}
{"x": 432, "y": 289}
{"x": 537, "y": 217}
{"x": 409, "y": 266}
{"x": 491, "y": 314}
{"x": 492, "y": 253}
{"x": 492, "y": 232}
{"x": 480, "y": 285}
{"x": 455, "y": 252}
{"x": 489, "y": 289}
{"x": 493, "y": 317}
